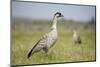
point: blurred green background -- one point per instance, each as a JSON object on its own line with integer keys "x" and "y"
{"x": 26, "y": 32}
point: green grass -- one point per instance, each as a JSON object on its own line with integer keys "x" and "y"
{"x": 63, "y": 51}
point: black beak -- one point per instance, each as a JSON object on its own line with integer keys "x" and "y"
{"x": 62, "y": 16}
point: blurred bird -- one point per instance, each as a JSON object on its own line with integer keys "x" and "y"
{"x": 48, "y": 39}
{"x": 76, "y": 37}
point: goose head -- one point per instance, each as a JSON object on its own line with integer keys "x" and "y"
{"x": 58, "y": 15}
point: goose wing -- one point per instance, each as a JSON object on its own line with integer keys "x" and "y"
{"x": 38, "y": 46}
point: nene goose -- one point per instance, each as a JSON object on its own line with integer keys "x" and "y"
{"x": 48, "y": 39}
{"x": 76, "y": 37}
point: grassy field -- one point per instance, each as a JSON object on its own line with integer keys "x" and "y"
{"x": 63, "y": 51}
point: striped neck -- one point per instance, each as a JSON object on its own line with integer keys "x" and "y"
{"x": 54, "y": 24}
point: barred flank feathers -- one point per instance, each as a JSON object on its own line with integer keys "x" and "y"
{"x": 30, "y": 52}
